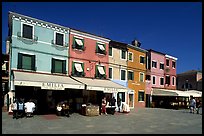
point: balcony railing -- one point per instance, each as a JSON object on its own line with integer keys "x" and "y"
{"x": 20, "y": 36}
{"x": 65, "y": 44}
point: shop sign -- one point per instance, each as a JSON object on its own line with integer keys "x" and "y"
{"x": 52, "y": 86}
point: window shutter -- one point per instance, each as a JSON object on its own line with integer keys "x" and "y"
{"x": 104, "y": 71}
{"x": 33, "y": 63}
{"x": 97, "y": 47}
{"x": 96, "y": 70}
{"x": 73, "y": 43}
{"x": 64, "y": 66}
{"x": 83, "y": 44}
{"x": 73, "y": 71}
{"x": 105, "y": 48}
{"x": 19, "y": 61}
{"x": 53, "y": 66}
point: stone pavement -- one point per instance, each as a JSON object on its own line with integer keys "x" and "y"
{"x": 138, "y": 121}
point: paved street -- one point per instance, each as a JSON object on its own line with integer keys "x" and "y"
{"x": 138, "y": 121}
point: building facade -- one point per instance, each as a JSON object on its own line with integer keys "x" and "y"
{"x": 189, "y": 80}
{"x": 136, "y": 71}
{"x": 39, "y": 61}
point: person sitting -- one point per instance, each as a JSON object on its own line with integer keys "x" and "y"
{"x": 14, "y": 108}
{"x": 29, "y": 108}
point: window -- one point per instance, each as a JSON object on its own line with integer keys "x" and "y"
{"x": 161, "y": 66}
{"x": 78, "y": 43}
{"x": 26, "y": 62}
{"x": 173, "y": 64}
{"x": 153, "y": 80}
{"x": 173, "y": 80}
{"x": 141, "y": 77}
{"x": 161, "y": 81}
{"x": 123, "y": 54}
{"x": 59, "y": 39}
{"x": 27, "y": 31}
{"x": 140, "y": 96}
{"x": 110, "y": 51}
{"x": 100, "y": 72}
{"x": 154, "y": 64}
{"x": 58, "y": 66}
{"x": 167, "y": 62}
{"x": 100, "y": 48}
{"x": 110, "y": 73}
{"x": 142, "y": 59}
{"x": 130, "y": 75}
{"x": 122, "y": 75}
{"x": 77, "y": 69}
{"x": 168, "y": 80}
{"x": 130, "y": 56}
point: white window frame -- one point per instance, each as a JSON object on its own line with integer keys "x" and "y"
{"x": 156, "y": 64}
{"x": 143, "y": 76}
{"x": 22, "y": 23}
{"x": 128, "y": 75}
{"x": 138, "y": 95}
{"x": 132, "y": 56}
{"x": 160, "y": 81}
{"x": 121, "y": 55}
{"x": 169, "y": 62}
{"x": 55, "y": 38}
{"x": 159, "y": 65}
{"x": 173, "y": 83}
{"x": 111, "y": 73}
{"x": 112, "y": 51}
{"x": 143, "y": 57}
{"x": 125, "y": 74}
{"x": 153, "y": 80}
{"x": 172, "y": 64}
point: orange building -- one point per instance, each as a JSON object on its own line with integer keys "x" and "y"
{"x": 136, "y": 68}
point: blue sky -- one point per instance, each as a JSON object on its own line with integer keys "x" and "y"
{"x": 174, "y": 28}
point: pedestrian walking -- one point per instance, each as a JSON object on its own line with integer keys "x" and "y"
{"x": 192, "y": 104}
{"x": 104, "y": 102}
{"x": 198, "y": 105}
{"x": 119, "y": 104}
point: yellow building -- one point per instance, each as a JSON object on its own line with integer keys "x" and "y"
{"x": 136, "y": 71}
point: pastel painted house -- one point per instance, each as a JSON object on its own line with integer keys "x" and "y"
{"x": 136, "y": 71}
{"x": 38, "y": 61}
{"x": 118, "y": 56}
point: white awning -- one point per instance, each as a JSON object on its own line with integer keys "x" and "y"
{"x": 101, "y": 47}
{"x": 79, "y": 42}
{"x": 46, "y": 81}
{"x": 101, "y": 70}
{"x": 78, "y": 67}
{"x": 167, "y": 92}
{"x": 107, "y": 86}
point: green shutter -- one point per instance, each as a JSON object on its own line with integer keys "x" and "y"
{"x": 53, "y": 66}
{"x": 96, "y": 70}
{"x": 73, "y": 68}
{"x": 104, "y": 71}
{"x": 19, "y": 66}
{"x": 83, "y": 44}
{"x": 33, "y": 62}
{"x": 105, "y": 48}
{"x": 133, "y": 76}
{"x": 73, "y": 43}
{"x": 64, "y": 66}
{"x": 96, "y": 47}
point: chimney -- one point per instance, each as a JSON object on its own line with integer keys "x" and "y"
{"x": 136, "y": 43}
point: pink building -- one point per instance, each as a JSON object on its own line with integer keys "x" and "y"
{"x": 88, "y": 52}
{"x": 170, "y": 72}
{"x": 155, "y": 69}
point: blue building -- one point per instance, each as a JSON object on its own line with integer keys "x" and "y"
{"x": 39, "y": 61}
